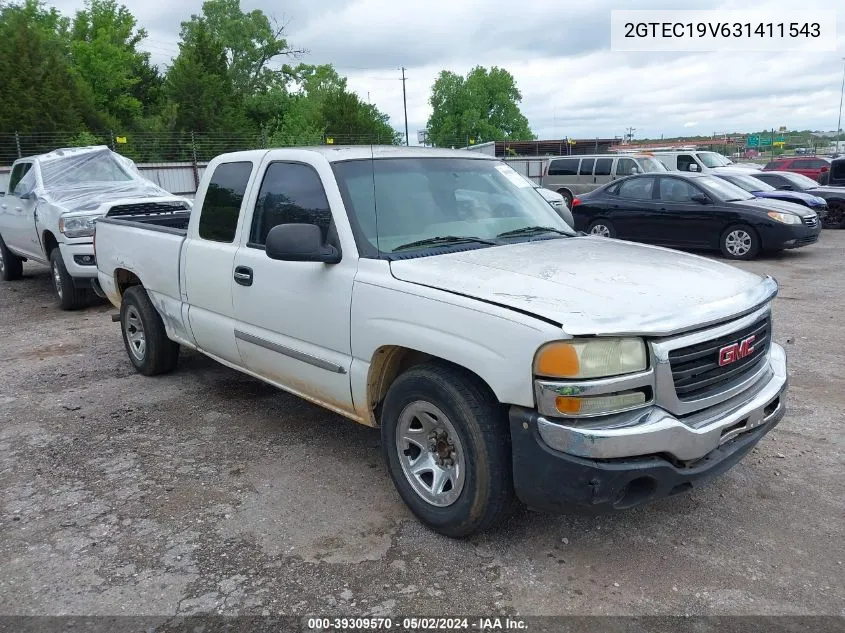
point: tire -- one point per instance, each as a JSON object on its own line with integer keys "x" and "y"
{"x": 144, "y": 335}
{"x": 11, "y": 266}
{"x": 70, "y": 297}
{"x": 567, "y": 197}
{"x": 739, "y": 242}
{"x": 835, "y": 218}
{"x": 459, "y": 421}
{"x": 602, "y": 228}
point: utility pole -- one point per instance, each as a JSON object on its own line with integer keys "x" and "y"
{"x": 630, "y": 133}
{"x": 839, "y": 122}
{"x": 405, "y": 105}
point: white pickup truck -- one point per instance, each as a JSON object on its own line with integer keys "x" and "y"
{"x": 53, "y": 200}
{"x": 436, "y": 295}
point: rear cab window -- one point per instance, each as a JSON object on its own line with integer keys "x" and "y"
{"x": 221, "y": 206}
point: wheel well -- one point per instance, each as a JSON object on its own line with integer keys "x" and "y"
{"x": 50, "y": 242}
{"x": 388, "y": 363}
{"x": 125, "y": 279}
{"x": 565, "y": 192}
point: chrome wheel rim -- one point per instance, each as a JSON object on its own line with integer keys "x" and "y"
{"x": 431, "y": 454}
{"x": 601, "y": 230}
{"x": 134, "y": 329}
{"x": 738, "y": 242}
{"x": 2, "y": 262}
{"x": 57, "y": 279}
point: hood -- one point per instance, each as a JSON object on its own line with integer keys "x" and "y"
{"x": 594, "y": 285}
{"x": 825, "y": 192}
{"x": 772, "y": 204}
{"x": 787, "y": 196}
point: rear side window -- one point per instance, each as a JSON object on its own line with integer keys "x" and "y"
{"x": 222, "y": 204}
{"x": 837, "y": 169}
{"x": 586, "y": 167}
{"x": 603, "y": 166}
{"x": 637, "y": 189}
{"x": 291, "y": 193}
{"x": 563, "y": 167}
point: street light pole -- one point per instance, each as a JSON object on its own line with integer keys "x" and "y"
{"x": 839, "y": 122}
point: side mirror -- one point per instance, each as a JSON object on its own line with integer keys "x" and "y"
{"x": 693, "y": 167}
{"x": 635, "y": 171}
{"x": 300, "y": 243}
{"x": 700, "y": 198}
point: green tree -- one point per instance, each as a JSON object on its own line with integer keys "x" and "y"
{"x": 119, "y": 78}
{"x": 250, "y": 42}
{"x": 201, "y": 89}
{"x": 38, "y": 91}
{"x": 483, "y": 106}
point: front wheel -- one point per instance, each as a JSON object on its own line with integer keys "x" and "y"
{"x": 144, "y": 334}
{"x": 70, "y": 297}
{"x": 446, "y": 442}
{"x": 740, "y": 242}
{"x": 11, "y": 266}
{"x": 602, "y": 228}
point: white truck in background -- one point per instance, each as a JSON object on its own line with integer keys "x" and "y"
{"x": 47, "y": 215}
{"x": 436, "y": 295}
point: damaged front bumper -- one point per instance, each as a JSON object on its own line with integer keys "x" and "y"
{"x": 642, "y": 455}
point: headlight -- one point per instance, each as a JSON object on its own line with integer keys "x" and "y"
{"x": 78, "y": 225}
{"x": 591, "y": 358}
{"x": 786, "y": 218}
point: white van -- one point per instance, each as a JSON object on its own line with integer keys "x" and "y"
{"x": 695, "y": 161}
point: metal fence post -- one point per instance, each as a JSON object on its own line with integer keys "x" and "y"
{"x": 111, "y": 140}
{"x": 194, "y": 162}
{"x": 18, "y": 143}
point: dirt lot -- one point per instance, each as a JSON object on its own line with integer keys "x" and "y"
{"x": 206, "y": 491}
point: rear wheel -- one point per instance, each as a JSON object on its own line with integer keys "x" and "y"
{"x": 446, "y": 442}
{"x": 602, "y": 228}
{"x": 145, "y": 336}
{"x": 70, "y": 297}
{"x": 740, "y": 242}
{"x": 11, "y": 266}
{"x": 567, "y": 197}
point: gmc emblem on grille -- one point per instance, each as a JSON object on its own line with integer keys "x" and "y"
{"x": 733, "y": 352}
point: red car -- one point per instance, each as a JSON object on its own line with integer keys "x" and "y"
{"x": 810, "y": 166}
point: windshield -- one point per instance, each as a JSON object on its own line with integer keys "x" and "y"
{"x": 712, "y": 159}
{"x": 396, "y": 202}
{"x": 649, "y": 165}
{"x": 67, "y": 171}
{"x": 749, "y": 184}
{"x": 723, "y": 190}
{"x": 800, "y": 181}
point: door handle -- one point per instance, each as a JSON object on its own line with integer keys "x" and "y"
{"x": 18, "y": 208}
{"x": 243, "y": 275}
{"x": 4, "y": 206}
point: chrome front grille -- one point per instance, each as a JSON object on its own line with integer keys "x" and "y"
{"x": 812, "y": 221}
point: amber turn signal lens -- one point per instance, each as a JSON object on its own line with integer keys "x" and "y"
{"x": 568, "y": 404}
{"x": 558, "y": 359}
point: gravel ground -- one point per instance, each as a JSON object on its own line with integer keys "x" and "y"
{"x": 205, "y": 491}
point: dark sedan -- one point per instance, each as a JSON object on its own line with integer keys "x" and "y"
{"x": 696, "y": 211}
{"x": 762, "y": 190}
{"x": 787, "y": 181}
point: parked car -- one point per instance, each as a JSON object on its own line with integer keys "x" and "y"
{"x": 695, "y": 161}
{"x": 49, "y": 211}
{"x": 789, "y": 181}
{"x": 697, "y": 211}
{"x": 835, "y": 177}
{"x": 501, "y": 356}
{"x": 762, "y": 190}
{"x": 555, "y": 199}
{"x": 574, "y": 175}
{"x": 810, "y": 166}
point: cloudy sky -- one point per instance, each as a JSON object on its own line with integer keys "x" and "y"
{"x": 559, "y": 52}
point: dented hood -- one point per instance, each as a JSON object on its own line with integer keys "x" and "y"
{"x": 593, "y": 285}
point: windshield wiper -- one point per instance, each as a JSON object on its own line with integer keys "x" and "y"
{"x": 444, "y": 239}
{"x": 531, "y": 230}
